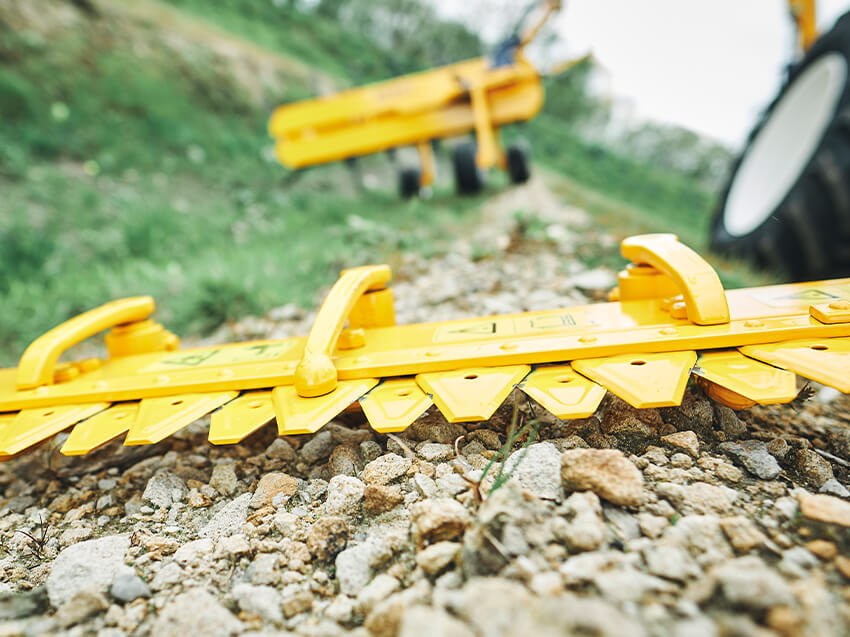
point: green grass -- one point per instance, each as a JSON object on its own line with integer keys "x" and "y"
{"x": 313, "y": 39}
{"x": 668, "y": 202}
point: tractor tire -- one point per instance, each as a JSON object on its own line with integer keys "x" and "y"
{"x": 787, "y": 203}
{"x": 519, "y": 167}
{"x": 408, "y": 182}
{"x": 468, "y": 177}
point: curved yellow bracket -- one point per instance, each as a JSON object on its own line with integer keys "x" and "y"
{"x": 697, "y": 281}
{"x": 316, "y": 374}
{"x": 36, "y": 365}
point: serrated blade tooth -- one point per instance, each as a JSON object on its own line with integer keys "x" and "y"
{"x": 749, "y": 378}
{"x": 31, "y": 426}
{"x": 825, "y": 360}
{"x": 642, "y": 380}
{"x": 158, "y": 418}
{"x": 100, "y": 429}
{"x": 241, "y": 417}
{"x": 471, "y": 394}
{"x": 394, "y": 405}
{"x": 563, "y": 392}
{"x": 297, "y": 415}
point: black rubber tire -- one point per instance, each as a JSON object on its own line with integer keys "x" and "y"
{"x": 807, "y": 236}
{"x": 468, "y": 177}
{"x": 519, "y": 166}
{"x": 408, "y": 182}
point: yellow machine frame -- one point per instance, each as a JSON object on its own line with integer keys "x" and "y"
{"x": 671, "y": 319}
{"x": 413, "y": 110}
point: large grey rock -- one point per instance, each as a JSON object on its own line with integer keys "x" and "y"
{"x": 834, "y": 487}
{"x": 317, "y": 448}
{"x": 264, "y": 601}
{"x": 386, "y": 469}
{"x": 701, "y": 536}
{"x": 537, "y": 469}
{"x": 89, "y": 565}
{"x": 502, "y": 608}
{"x": 195, "y": 613}
{"x": 585, "y": 530}
{"x": 163, "y": 489}
{"x": 421, "y": 621}
{"x": 229, "y": 519}
{"x": 22, "y": 603}
{"x": 671, "y": 562}
{"x": 749, "y": 583}
{"x": 345, "y": 495}
{"x": 754, "y": 457}
{"x": 223, "y": 477}
{"x": 128, "y": 586}
{"x": 354, "y": 564}
{"x": 630, "y": 585}
{"x": 699, "y": 497}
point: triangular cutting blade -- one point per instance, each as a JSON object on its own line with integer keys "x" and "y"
{"x": 825, "y": 360}
{"x": 241, "y": 417}
{"x": 471, "y": 394}
{"x": 158, "y": 418}
{"x": 563, "y": 392}
{"x": 100, "y": 429}
{"x": 298, "y": 415}
{"x": 31, "y": 426}
{"x": 642, "y": 380}
{"x": 750, "y": 378}
{"x": 395, "y": 404}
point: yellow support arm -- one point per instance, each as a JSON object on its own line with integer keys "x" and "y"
{"x": 804, "y": 13}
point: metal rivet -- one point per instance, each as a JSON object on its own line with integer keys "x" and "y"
{"x": 508, "y": 346}
{"x": 226, "y": 372}
{"x": 753, "y": 323}
{"x": 101, "y": 384}
{"x": 431, "y": 353}
{"x": 360, "y": 360}
{"x": 668, "y": 331}
{"x": 586, "y": 339}
{"x": 42, "y": 391}
{"x": 163, "y": 380}
{"x": 841, "y": 304}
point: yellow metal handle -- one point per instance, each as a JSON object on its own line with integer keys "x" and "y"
{"x": 316, "y": 374}
{"x": 699, "y": 284}
{"x": 36, "y": 365}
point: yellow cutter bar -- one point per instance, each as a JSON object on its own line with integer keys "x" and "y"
{"x": 672, "y": 318}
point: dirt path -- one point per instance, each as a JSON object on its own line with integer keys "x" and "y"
{"x": 694, "y": 520}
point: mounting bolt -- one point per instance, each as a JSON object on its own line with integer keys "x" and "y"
{"x": 841, "y": 304}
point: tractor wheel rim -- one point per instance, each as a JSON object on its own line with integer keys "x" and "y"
{"x": 784, "y": 146}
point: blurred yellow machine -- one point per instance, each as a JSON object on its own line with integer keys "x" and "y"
{"x": 672, "y": 319}
{"x": 477, "y": 95}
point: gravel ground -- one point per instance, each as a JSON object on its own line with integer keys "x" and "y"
{"x": 694, "y": 520}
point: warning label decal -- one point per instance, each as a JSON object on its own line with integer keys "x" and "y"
{"x": 219, "y": 356}
{"x": 503, "y": 327}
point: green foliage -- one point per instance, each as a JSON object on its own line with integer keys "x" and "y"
{"x": 355, "y": 41}
{"x": 516, "y": 431}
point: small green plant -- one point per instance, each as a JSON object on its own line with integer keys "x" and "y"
{"x": 527, "y": 430}
{"x": 37, "y": 543}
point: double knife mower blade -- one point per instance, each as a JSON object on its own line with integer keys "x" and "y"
{"x": 669, "y": 318}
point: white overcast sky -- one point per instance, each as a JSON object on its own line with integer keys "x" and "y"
{"x": 708, "y": 65}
